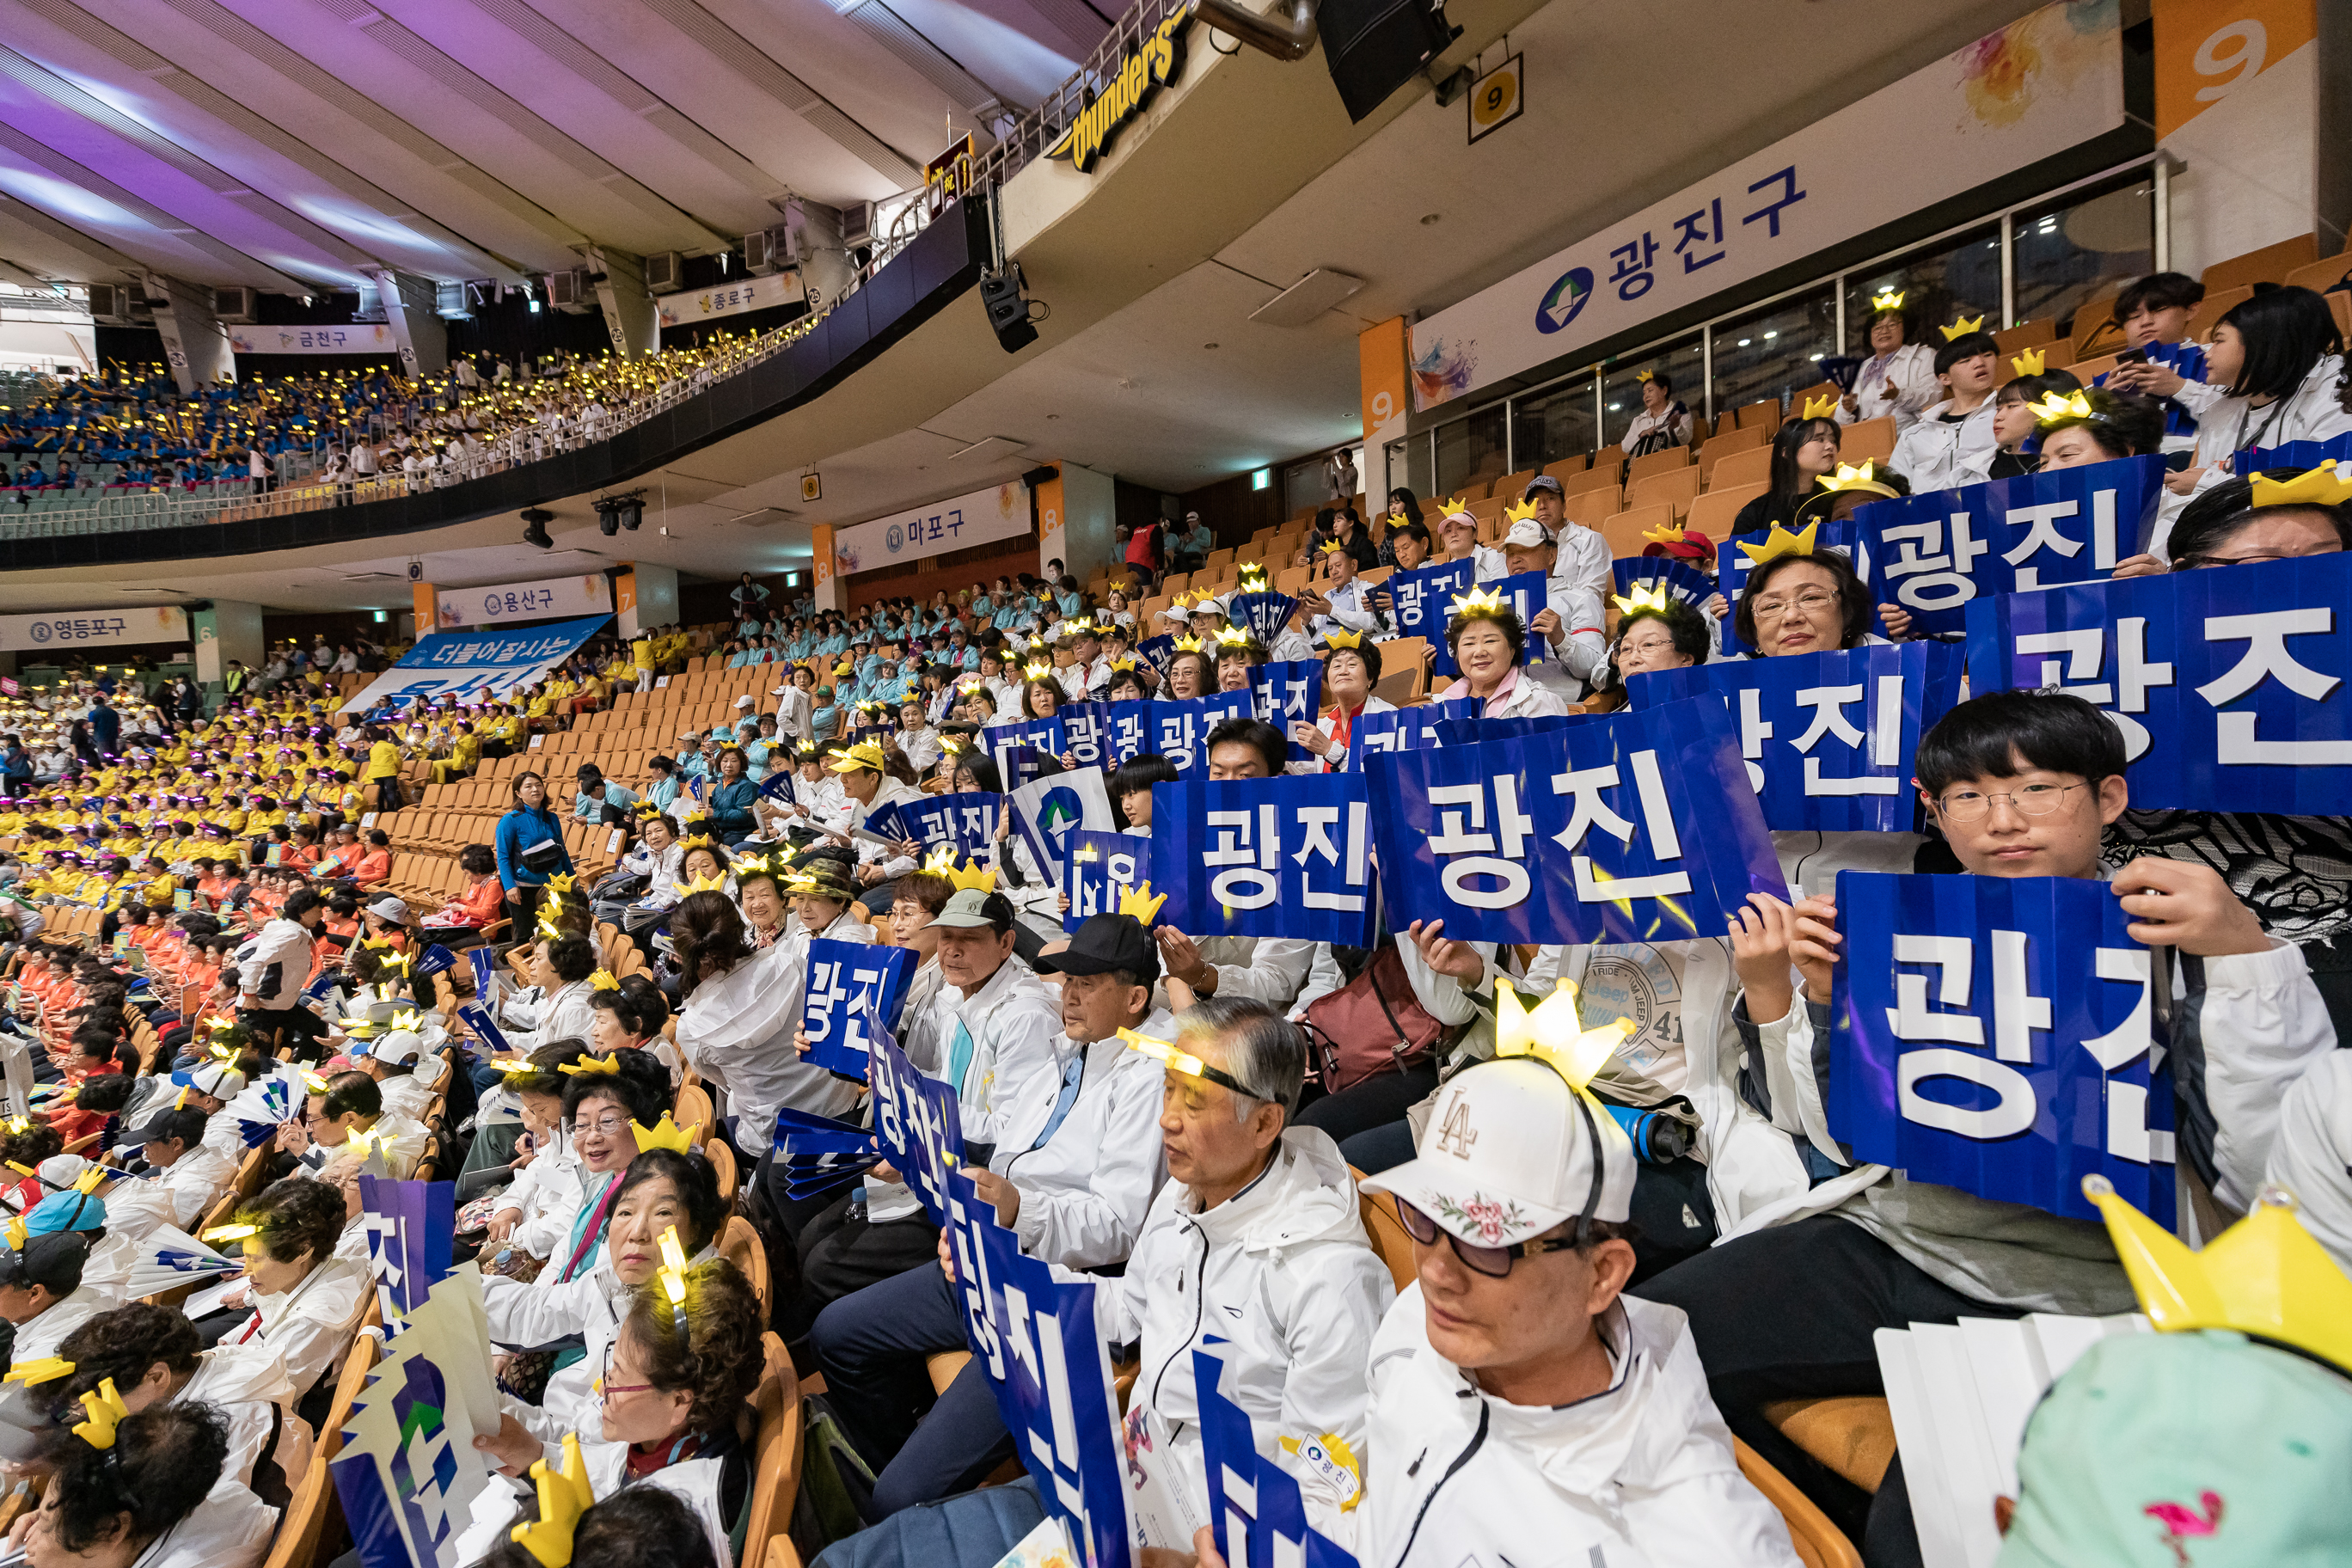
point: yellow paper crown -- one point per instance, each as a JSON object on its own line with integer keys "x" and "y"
{"x": 1962, "y": 328}
{"x": 1553, "y": 1033}
{"x": 1187, "y": 645}
{"x": 1141, "y": 902}
{"x": 1521, "y": 512}
{"x": 560, "y": 883}
{"x": 87, "y": 1183}
{"x": 1330, "y": 547}
{"x": 2056, "y": 405}
{"x": 1479, "y": 602}
{"x": 1337, "y": 638}
{"x": 969, "y": 875}
{"x": 31, "y": 1374}
{"x": 1034, "y": 671}
{"x": 1233, "y": 637}
{"x": 1664, "y": 533}
{"x": 604, "y": 980}
{"x": 107, "y": 1411}
{"x": 1651, "y": 598}
{"x": 1458, "y": 504}
{"x": 2330, "y": 484}
{"x": 2263, "y": 1276}
{"x": 1888, "y": 300}
{"x": 2032, "y": 362}
{"x": 564, "y": 1496}
{"x": 664, "y": 1135}
{"x": 1779, "y": 542}
{"x": 714, "y": 883}
{"x": 407, "y": 1018}
{"x": 866, "y": 754}
{"x": 1119, "y": 664}
{"x": 1821, "y": 407}
{"x": 588, "y": 1066}
{"x": 695, "y": 841}
{"x": 1645, "y": 376}
{"x": 1855, "y": 478}
{"x": 231, "y": 1232}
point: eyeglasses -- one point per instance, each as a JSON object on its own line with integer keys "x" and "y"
{"x": 1494, "y": 1262}
{"x": 611, "y": 1127}
{"x": 2200, "y": 563}
{"x": 2033, "y": 800}
{"x": 1773, "y": 609}
{"x": 606, "y": 1388}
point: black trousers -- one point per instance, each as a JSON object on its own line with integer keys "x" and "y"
{"x": 1371, "y": 1103}
{"x": 842, "y": 1252}
{"x": 1789, "y": 1313}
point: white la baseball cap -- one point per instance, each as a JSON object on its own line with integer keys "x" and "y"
{"x": 1528, "y": 534}
{"x": 1509, "y": 1152}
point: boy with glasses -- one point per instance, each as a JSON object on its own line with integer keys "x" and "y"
{"x": 2020, "y": 783}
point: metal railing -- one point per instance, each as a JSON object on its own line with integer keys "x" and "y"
{"x": 1044, "y": 125}
{"x": 46, "y": 514}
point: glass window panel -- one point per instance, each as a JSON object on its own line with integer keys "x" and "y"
{"x": 1553, "y": 424}
{"x": 1954, "y": 278}
{"x": 1682, "y": 363}
{"x": 1410, "y": 459}
{"x": 1471, "y": 451}
{"x": 1303, "y": 485}
{"x": 1775, "y": 353}
{"x": 2086, "y": 249}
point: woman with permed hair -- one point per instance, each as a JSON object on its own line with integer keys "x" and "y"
{"x": 150, "y": 1492}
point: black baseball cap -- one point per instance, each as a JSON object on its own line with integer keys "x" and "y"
{"x": 54, "y": 1259}
{"x": 1105, "y": 942}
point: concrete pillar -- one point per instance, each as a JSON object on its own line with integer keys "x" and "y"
{"x": 1089, "y": 519}
{"x": 423, "y": 337}
{"x": 647, "y": 596}
{"x": 193, "y": 339}
{"x": 630, "y": 314}
{"x": 1047, "y": 502}
{"x": 1380, "y": 368}
{"x": 826, "y": 583}
{"x": 229, "y": 630}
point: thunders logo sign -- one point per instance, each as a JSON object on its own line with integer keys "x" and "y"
{"x": 1140, "y": 76}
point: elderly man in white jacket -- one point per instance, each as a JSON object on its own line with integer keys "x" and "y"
{"x": 1076, "y": 1195}
{"x": 1522, "y": 1410}
{"x": 1256, "y": 1241}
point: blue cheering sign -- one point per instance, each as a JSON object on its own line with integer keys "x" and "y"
{"x": 1974, "y": 1043}
{"x": 1639, "y": 826}
{"x": 964, "y": 822}
{"x": 846, "y": 981}
{"x": 1286, "y": 857}
{"x": 1033, "y": 1332}
{"x": 1286, "y": 694}
{"x": 2227, "y": 685}
{"x": 915, "y": 1118}
{"x": 1423, "y": 598}
{"x": 1828, "y": 738}
{"x": 1179, "y": 730}
{"x": 1097, "y": 869}
{"x": 1936, "y": 552}
{"x": 1043, "y": 734}
{"x": 1400, "y": 729}
{"x": 1255, "y": 1505}
{"x": 1677, "y": 579}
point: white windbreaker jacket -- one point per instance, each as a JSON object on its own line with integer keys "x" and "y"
{"x": 1639, "y": 1477}
{"x": 1285, "y": 1275}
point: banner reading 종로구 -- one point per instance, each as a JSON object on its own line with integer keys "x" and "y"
{"x": 2228, "y": 686}
{"x": 1974, "y": 1042}
{"x": 475, "y": 667}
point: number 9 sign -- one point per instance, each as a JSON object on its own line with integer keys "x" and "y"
{"x": 1496, "y": 99}
{"x": 2207, "y": 50}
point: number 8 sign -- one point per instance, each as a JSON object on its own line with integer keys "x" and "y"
{"x": 1496, "y": 99}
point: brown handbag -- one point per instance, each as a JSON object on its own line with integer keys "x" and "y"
{"x": 1372, "y": 1024}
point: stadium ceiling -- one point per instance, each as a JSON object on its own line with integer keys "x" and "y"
{"x": 298, "y": 146}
